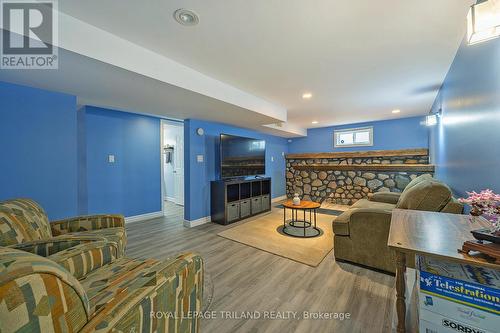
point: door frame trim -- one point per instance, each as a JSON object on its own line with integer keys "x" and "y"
{"x": 163, "y": 122}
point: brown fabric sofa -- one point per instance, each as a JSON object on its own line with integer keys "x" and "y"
{"x": 361, "y": 232}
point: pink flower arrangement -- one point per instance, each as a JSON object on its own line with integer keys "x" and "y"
{"x": 485, "y": 203}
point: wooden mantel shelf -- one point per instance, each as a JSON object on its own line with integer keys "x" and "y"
{"x": 368, "y": 167}
{"x": 362, "y": 154}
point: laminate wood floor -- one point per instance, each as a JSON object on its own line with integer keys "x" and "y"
{"x": 244, "y": 279}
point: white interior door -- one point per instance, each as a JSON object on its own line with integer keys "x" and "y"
{"x": 179, "y": 168}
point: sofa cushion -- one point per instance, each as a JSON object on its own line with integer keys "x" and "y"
{"x": 116, "y": 235}
{"x": 341, "y": 223}
{"x": 127, "y": 280}
{"x": 364, "y": 203}
{"x": 417, "y": 180}
{"x": 108, "y": 282}
{"x": 429, "y": 195}
{"x": 453, "y": 207}
{"x": 387, "y": 197}
{"x": 85, "y": 258}
{"x": 124, "y": 293}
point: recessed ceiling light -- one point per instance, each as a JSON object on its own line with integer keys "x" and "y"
{"x": 307, "y": 95}
{"x": 314, "y": 122}
{"x": 186, "y": 17}
{"x": 396, "y": 111}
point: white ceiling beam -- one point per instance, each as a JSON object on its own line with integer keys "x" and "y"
{"x": 85, "y": 39}
{"x": 288, "y": 130}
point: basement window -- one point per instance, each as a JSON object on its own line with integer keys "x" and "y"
{"x": 353, "y": 137}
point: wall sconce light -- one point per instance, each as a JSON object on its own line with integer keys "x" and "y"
{"x": 483, "y": 21}
{"x": 432, "y": 119}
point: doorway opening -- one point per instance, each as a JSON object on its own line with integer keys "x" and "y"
{"x": 172, "y": 160}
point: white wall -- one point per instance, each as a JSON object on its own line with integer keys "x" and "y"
{"x": 169, "y": 134}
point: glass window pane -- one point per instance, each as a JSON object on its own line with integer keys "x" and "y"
{"x": 354, "y": 137}
{"x": 346, "y": 138}
{"x": 362, "y": 137}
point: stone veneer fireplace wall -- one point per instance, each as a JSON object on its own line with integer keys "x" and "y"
{"x": 344, "y": 178}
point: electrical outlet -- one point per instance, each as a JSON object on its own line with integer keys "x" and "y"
{"x": 199, "y": 158}
{"x": 272, "y": 158}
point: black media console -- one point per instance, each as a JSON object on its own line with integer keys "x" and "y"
{"x": 234, "y": 200}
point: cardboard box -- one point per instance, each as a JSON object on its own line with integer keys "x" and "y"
{"x": 436, "y": 323}
{"x": 464, "y": 272}
{"x": 470, "y": 294}
{"x": 435, "y": 309}
{"x": 456, "y": 297}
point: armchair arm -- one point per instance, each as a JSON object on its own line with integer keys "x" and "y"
{"x": 386, "y": 197}
{"x": 85, "y": 258}
{"x": 47, "y": 247}
{"x": 49, "y": 293}
{"x": 86, "y": 223}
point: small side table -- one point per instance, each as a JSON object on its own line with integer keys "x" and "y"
{"x": 308, "y": 229}
{"x": 431, "y": 234}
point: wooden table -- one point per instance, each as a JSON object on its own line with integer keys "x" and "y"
{"x": 432, "y": 234}
{"x": 302, "y": 224}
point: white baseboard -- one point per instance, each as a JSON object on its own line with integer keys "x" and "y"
{"x": 278, "y": 199}
{"x": 143, "y": 217}
{"x": 195, "y": 223}
{"x": 170, "y": 199}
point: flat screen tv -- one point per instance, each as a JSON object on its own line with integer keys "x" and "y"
{"x": 242, "y": 157}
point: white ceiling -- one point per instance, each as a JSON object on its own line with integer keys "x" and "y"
{"x": 247, "y": 63}
{"x": 359, "y": 58}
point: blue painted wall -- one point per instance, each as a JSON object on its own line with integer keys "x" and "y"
{"x": 132, "y": 185}
{"x": 38, "y": 141}
{"x": 465, "y": 145}
{"x": 401, "y": 133}
{"x": 82, "y": 199}
{"x": 198, "y": 175}
{"x": 59, "y": 156}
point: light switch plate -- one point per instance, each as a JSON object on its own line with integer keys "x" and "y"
{"x": 111, "y": 158}
{"x": 272, "y": 158}
{"x": 199, "y": 158}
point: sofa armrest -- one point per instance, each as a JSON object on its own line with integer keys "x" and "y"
{"x": 172, "y": 301}
{"x": 86, "y": 223}
{"x": 86, "y": 258}
{"x": 47, "y": 247}
{"x": 48, "y": 292}
{"x": 386, "y": 197}
{"x": 453, "y": 207}
{"x": 370, "y": 226}
{"x": 360, "y": 219}
{"x": 366, "y": 243}
{"x": 340, "y": 224}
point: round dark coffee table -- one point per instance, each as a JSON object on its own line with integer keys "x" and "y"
{"x": 297, "y": 227}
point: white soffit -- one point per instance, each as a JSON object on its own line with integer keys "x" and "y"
{"x": 90, "y": 41}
